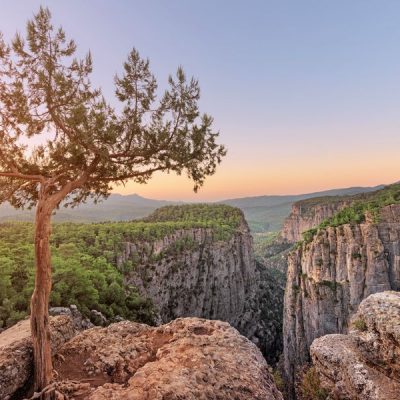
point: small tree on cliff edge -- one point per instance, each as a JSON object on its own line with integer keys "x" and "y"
{"x": 85, "y": 146}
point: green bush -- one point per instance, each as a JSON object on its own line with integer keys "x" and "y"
{"x": 363, "y": 204}
{"x": 311, "y": 388}
{"x": 360, "y": 324}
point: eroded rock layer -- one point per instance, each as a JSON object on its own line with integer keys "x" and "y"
{"x": 16, "y": 356}
{"x": 329, "y": 277}
{"x": 194, "y": 272}
{"x": 307, "y": 214}
{"x": 188, "y": 358}
{"x": 364, "y": 365}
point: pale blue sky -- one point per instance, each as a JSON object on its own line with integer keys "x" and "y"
{"x": 305, "y": 93}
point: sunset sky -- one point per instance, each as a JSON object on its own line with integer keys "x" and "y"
{"x": 306, "y": 94}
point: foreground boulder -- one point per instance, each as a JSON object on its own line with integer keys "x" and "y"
{"x": 16, "y": 358}
{"x": 187, "y": 359}
{"x": 364, "y": 365}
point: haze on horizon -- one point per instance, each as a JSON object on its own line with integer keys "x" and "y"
{"x": 305, "y": 94}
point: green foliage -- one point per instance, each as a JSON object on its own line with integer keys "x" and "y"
{"x": 263, "y": 242}
{"x": 223, "y": 219}
{"x": 310, "y": 387}
{"x": 84, "y": 260}
{"x": 82, "y": 274}
{"x": 279, "y": 381}
{"x": 86, "y": 144}
{"x": 360, "y": 324}
{"x": 363, "y": 204}
{"x": 330, "y": 284}
{"x": 309, "y": 235}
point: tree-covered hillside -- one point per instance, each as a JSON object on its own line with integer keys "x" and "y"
{"x": 362, "y": 205}
{"x": 84, "y": 260}
{"x": 263, "y": 213}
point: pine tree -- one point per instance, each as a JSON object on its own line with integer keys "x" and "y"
{"x": 61, "y": 142}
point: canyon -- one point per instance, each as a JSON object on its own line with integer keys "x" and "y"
{"x": 331, "y": 272}
{"x": 193, "y": 272}
{"x": 197, "y": 273}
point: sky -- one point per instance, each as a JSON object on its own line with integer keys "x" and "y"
{"x": 305, "y": 94}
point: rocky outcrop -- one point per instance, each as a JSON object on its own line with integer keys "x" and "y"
{"x": 364, "y": 365}
{"x": 195, "y": 272}
{"x": 187, "y": 359}
{"x": 16, "y": 351}
{"x": 191, "y": 272}
{"x": 310, "y": 213}
{"x": 329, "y": 277}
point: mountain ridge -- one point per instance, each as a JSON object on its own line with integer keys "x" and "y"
{"x": 263, "y": 213}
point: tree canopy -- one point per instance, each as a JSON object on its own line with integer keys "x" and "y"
{"x": 86, "y": 143}
{"x": 62, "y": 141}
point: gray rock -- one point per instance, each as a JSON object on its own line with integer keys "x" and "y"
{"x": 329, "y": 277}
{"x": 16, "y": 360}
{"x": 79, "y": 321}
{"x": 209, "y": 277}
{"x": 305, "y": 216}
{"x": 364, "y": 365}
{"x": 98, "y": 318}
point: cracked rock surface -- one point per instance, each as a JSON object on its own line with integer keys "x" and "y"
{"x": 16, "y": 357}
{"x": 188, "y": 358}
{"x": 329, "y": 276}
{"x": 364, "y": 365}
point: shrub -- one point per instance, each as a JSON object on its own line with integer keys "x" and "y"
{"x": 279, "y": 381}
{"x": 310, "y": 387}
{"x": 360, "y": 324}
{"x": 356, "y": 256}
{"x": 330, "y": 284}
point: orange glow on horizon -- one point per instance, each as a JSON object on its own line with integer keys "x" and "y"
{"x": 232, "y": 181}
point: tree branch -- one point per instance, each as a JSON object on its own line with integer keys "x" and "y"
{"x": 25, "y": 177}
{"x": 133, "y": 174}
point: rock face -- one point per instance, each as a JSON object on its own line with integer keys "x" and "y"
{"x": 16, "y": 352}
{"x": 307, "y": 214}
{"x": 364, "y": 365}
{"x": 193, "y": 272}
{"x": 329, "y": 277}
{"x": 189, "y": 359}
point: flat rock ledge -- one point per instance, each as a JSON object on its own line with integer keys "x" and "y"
{"x": 16, "y": 357}
{"x": 186, "y": 359}
{"x": 364, "y": 365}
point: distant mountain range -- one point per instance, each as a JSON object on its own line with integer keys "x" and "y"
{"x": 116, "y": 208}
{"x": 267, "y": 213}
{"x": 263, "y": 213}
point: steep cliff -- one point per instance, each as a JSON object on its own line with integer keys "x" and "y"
{"x": 199, "y": 272}
{"x": 364, "y": 365}
{"x": 307, "y": 214}
{"x": 329, "y": 275}
{"x": 191, "y": 272}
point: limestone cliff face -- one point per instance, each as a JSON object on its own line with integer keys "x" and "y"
{"x": 196, "y": 273}
{"x": 193, "y": 273}
{"x": 305, "y": 216}
{"x": 329, "y": 277}
{"x": 364, "y": 365}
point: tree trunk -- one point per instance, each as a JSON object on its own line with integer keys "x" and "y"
{"x": 43, "y": 369}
